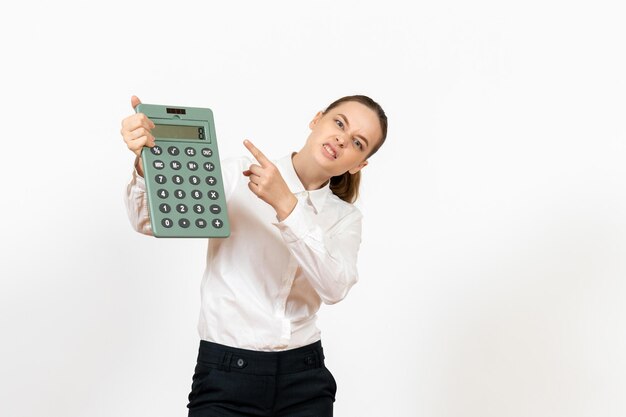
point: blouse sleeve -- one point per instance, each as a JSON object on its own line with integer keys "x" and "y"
{"x": 137, "y": 205}
{"x": 328, "y": 258}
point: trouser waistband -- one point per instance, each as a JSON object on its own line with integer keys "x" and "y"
{"x": 261, "y": 363}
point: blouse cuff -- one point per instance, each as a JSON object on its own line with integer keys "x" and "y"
{"x": 298, "y": 224}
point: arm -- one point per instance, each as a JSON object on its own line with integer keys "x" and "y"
{"x": 328, "y": 259}
{"x": 137, "y": 204}
{"x": 136, "y": 133}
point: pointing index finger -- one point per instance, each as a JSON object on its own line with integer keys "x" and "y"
{"x": 258, "y": 155}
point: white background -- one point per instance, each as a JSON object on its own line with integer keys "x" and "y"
{"x": 494, "y": 245}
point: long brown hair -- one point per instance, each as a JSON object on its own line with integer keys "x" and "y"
{"x": 346, "y": 186}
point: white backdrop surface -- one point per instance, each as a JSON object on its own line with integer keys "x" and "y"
{"x": 493, "y": 263}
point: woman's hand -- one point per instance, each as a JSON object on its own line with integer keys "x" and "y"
{"x": 267, "y": 183}
{"x": 136, "y": 133}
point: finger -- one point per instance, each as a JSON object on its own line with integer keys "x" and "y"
{"x": 254, "y": 188}
{"x": 139, "y": 143}
{"x": 135, "y": 121}
{"x": 137, "y": 133}
{"x": 258, "y": 155}
{"x": 254, "y": 179}
{"x": 136, "y": 145}
{"x": 247, "y": 172}
{"x": 256, "y": 169}
{"x": 134, "y": 101}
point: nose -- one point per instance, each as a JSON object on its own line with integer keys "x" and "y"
{"x": 340, "y": 141}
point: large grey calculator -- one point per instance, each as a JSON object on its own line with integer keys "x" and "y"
{"x": 183, "y": 173}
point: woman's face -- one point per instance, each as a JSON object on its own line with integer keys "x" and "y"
{"x": 341, "y": 138}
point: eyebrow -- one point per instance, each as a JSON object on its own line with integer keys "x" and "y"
{"x": 367, "y": 143}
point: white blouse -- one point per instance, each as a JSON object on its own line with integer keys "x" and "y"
{"x": 264, "y": 284}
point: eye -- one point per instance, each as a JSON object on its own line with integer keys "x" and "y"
{"x": 357, "y": 143}
{"x": 339, "y": 123}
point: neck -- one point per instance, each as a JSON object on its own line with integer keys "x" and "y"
{"x": 306, "y": 173}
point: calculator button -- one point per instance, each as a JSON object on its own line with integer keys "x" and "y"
{"x": 156, "y": 150}
{"x": 175, "y": 165}
{"x": 181, "y": 208}
{"x": 178, "y": 179}
{"x": 164, "y": 208}
{"x": 167, "y": 223}
{"x": 184, "y": 223}
{"x": 198, "y": 208}
{"x": 190, "y": 151}
{"x": 158, "y": 164}
{"x": 196, "y": 194}
{"x": 192, "y": 165}
{"x": 179, "y": 194}
{"x": 201, "y": 223}
{"x": 163, "y": 193}
{"x": 209, "y": 166}
{"x": 194, "y": 180}
{"x": 215, "y": 209}
{"x": 211, "y": 180}
{"x": 213, "y": 195}
{"x": 173, "y": 150}
{"x": 207, "y": 152}
{"x": 217, "y": 223}
{"x": 160, "y": 179}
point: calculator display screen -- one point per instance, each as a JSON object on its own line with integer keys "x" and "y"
{"x": 178, "y": 132}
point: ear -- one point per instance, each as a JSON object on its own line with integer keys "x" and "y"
{"x": 316, "y": 119}
{"x": 358, "y": 167}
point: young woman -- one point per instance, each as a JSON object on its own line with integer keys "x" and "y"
{"x": 295, "y": 235}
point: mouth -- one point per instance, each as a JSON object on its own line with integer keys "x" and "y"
{"x": 330, "y": 151}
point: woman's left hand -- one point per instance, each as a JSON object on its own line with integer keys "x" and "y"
{"x": 267, "y": 183}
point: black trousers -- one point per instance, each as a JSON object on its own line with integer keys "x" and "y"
{"x": 231, "y": 382}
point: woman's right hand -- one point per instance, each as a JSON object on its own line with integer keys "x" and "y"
{"x": 136, "y": 130}
{"x": 136, "y": 133}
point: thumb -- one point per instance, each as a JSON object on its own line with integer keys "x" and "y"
{"x": 134, "y": 101}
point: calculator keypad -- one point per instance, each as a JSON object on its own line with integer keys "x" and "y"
{"x": 185, "y": 191}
